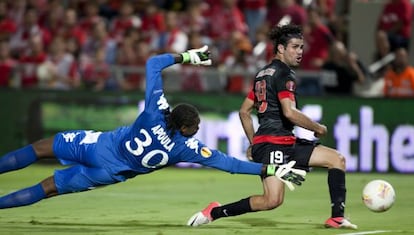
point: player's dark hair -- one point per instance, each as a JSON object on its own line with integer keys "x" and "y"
{"x": 181, "y": 115}
{"x": 282, "y": 35}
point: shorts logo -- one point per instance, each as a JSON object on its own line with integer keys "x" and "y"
{"x": 290, "y": 86}
{"x": 205, "y": 152}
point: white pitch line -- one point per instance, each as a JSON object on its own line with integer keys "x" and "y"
{"x": 367, "y": 232}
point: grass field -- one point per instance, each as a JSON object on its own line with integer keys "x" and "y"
{"x": 160, "y": 203}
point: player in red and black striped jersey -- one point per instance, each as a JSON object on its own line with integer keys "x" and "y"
{"x": 274, "y": 99}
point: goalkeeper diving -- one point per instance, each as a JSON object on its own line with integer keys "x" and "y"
{"x": 158, "y": 138}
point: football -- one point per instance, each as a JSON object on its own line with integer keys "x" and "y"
{"x": 378, "y": 195}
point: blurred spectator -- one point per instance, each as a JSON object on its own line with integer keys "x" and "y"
{"x": 172, "y": 39}
{"x": 393, "y": 27}
{"x": 339, "y": 22}
{"x": 108, "y": 8}
{"x": 263, "y": 49}
{"x": 29, "y": 28}
{"x": 193, "y": 19}
{"x": 125, "y": 20}
{"x": 73, "y": 47}
{"x": 77, "y": 5}
{"x": 224, "y": 17}
{"x": 42, "y": 7}
{"x": 285, "y": 12}
{"x": 132, "y": 55}
{"x": 97, "y": 72}
{"x": 53, "y": 17}
{"x": 71, "y": 27}
{"x": 60, "y": 70}
{"x": 399, "y": 78}
{"x": 333, "y": 16}
{"x": 255, "y": 15}
{"x": 29, "y": 62}
{"x": 144, "y": 26}
{"x": 91, "y": 17}
{"x": 317, "y": 38}
{"x": 152, "y": 21}
{"x": 7, "y": 26}
{"x": 346, "y": 68}
{"x": 192, "y": 76}
{"x": 237, "y": 63}
{"x": 132, "y": 35}
{"x": 99, "y": 39}
{"x": 327, "y": 9}
{"x": 16, "y": 10}
{"x": 7, "y": 65}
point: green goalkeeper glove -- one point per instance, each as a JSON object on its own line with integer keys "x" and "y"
{"x": 287, "y": 174}
{"x": 200, "y": 56}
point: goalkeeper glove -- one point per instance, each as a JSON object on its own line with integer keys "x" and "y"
{"x": 287, "y": 174}
{"x": 200, "y": 56}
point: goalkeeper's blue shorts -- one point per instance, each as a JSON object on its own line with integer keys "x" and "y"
{"x": 88, "y": 169}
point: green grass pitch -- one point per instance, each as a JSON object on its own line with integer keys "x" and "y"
{"x": 160, "y": 203}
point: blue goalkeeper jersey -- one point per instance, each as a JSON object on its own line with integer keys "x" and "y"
{"x": 145, "y": 146}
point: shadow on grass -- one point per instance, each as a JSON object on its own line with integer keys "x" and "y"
{"x": 40, "y": 227}
{"x": 268, "y": 223}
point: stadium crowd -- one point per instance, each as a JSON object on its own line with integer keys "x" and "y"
{"x": 103, "y": 44}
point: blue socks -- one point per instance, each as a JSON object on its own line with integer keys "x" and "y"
{"x": 23, "y": 197}
{"x": 13, "y": 161}
{"x": 17, "y": 159}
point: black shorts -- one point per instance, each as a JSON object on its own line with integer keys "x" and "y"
{"x": 301, "y": 152}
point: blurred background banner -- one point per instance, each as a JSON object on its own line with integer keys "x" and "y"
{"x": 374, "y": 134}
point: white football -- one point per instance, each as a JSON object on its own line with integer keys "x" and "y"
{"x": 378, "y": 195}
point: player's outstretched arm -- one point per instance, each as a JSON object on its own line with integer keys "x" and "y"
{"x": 287, "y": 174}
{"x": 198, "y": 56}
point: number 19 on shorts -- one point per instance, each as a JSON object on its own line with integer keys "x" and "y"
{"x": 276, "y": 157}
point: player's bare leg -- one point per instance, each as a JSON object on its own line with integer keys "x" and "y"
{"x": 44, "y": 148}
{"x": 273, "y": 195}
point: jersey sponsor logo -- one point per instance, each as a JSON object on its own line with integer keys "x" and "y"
{"x": 192, "y": 144}
{"x": 290, "y": 85}
{"x": 69, "y": 137}
{"x": 205, "y": 152}
{"x": 266, "y": 72}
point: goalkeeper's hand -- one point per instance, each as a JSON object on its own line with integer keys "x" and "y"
{"x": 287, "y": 174}
{"x": 199, "y": 56}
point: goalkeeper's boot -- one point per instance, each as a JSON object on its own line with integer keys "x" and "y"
{"x": 204, "y": 216}
{"x": 339, "y": 222}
